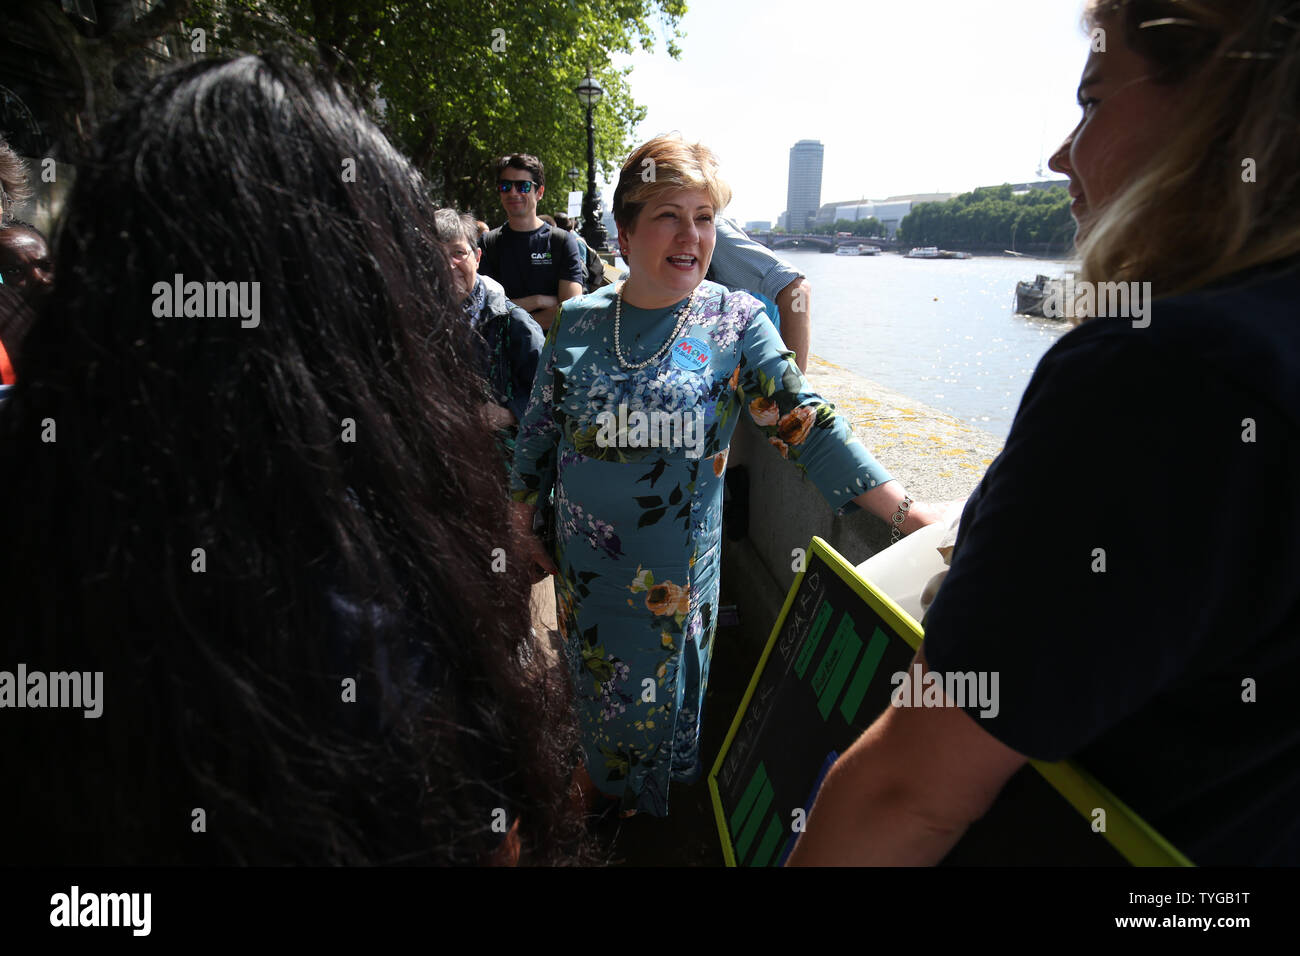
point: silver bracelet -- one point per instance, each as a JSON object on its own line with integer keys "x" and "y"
{"x": 899, "y": 517}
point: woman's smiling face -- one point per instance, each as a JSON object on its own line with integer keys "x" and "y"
{"x": 1127, "y": 116}
{"x": 669, "y": 246}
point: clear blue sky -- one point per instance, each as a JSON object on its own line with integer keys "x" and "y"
{"x": 907, "y": 97}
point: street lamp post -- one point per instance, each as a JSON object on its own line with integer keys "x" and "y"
{"x": 593, "y": 230}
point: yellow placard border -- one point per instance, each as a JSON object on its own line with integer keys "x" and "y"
{"x": 1131, "y": 836}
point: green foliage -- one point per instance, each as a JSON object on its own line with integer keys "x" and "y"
{"x": 455, "y": 93}
{"x": 990, "y": 217}
{"x": 870, "y": 226}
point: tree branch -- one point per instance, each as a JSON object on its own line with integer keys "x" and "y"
{"x": 152, "y": 25}
{"x": 61, "y": 34}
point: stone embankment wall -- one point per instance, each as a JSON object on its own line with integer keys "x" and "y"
{"x": 937, "y": 457}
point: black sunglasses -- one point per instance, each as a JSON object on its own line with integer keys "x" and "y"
{"x": 523, "y": 185}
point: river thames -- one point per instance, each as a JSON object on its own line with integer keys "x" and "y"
{"x": 940, "y": 331}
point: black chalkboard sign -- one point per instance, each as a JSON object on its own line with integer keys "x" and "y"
{"x": 824, "y": 677}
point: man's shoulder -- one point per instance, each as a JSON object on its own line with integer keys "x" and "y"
{"x": 726, "y": 226}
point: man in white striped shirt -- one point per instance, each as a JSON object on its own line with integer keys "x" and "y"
{"x": 741, "y": 263}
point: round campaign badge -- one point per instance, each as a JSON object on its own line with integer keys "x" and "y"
{"x": 691, "y": 354}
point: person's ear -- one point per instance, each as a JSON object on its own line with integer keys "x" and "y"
{"x": 478, "y": 255}
{"x": 541, "y": 191}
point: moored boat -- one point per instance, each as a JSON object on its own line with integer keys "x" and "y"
{"x": 934, "y": 252}
{"x": 1031, "y": 295}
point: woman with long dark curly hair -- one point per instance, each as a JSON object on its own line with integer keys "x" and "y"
{"x": 255, "y": 495}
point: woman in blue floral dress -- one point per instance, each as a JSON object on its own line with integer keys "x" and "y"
{"x": 638, "y": 391}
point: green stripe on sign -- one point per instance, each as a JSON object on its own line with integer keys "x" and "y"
{"x": 755, "y": 821}
{"x": 747, "y": 799}
{"x": 862, "y": 677}
{"x": 832, "y": 656}
{"x": 823, "y": 672}
{"x": 850, "y": 645}
{"x": 810, "y": 643}
{"x": 771, "y": 840}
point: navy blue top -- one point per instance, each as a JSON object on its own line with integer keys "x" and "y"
{"x": 1171, "y": 453}
{"x": 529, "y": 263}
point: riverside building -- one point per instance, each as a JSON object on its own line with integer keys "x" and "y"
{"x": 804, "y": 187}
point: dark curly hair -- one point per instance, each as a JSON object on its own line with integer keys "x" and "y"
{"x": 231, "y": 522}
{"x": 524, "y": 162}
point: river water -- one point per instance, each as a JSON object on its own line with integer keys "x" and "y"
{"x": 940, "y": 331}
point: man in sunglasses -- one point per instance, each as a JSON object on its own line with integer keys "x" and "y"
{"x": 539, "y": 268}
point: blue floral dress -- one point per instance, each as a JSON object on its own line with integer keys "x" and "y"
{"x": 638, "y": 509}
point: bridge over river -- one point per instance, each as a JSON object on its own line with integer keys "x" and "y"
{"x": 785, "y": 240}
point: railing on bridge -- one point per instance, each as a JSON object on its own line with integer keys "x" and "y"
{"x": 784, "y": 240}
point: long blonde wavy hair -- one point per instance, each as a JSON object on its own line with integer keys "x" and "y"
{"x": 1192, "y": 216}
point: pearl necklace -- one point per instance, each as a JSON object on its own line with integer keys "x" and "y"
{"x": 682, "y": 315}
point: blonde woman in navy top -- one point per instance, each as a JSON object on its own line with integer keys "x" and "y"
{"x": 1144, "y": 619}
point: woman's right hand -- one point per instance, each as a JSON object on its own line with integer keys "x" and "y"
{"x": 533, "y": 551}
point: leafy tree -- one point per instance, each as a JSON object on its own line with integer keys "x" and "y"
{"x": 464, "y": 81}
{"x": 454, "y": 83}
{"x": 95, "y": 62}
{"x": 990, "y": 217}
{"x": 858, "y": 227}
{"x": 870, "y": 227}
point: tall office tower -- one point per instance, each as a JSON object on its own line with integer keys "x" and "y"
{"x": 804, "y": 189}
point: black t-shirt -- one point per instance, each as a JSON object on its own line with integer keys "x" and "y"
{"x": 529, "y": 263}
{"x": 1133, "y": 446}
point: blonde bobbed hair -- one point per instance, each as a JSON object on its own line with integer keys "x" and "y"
{"x": 665, "y": 164}
{"x": 1192, "y": 216}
